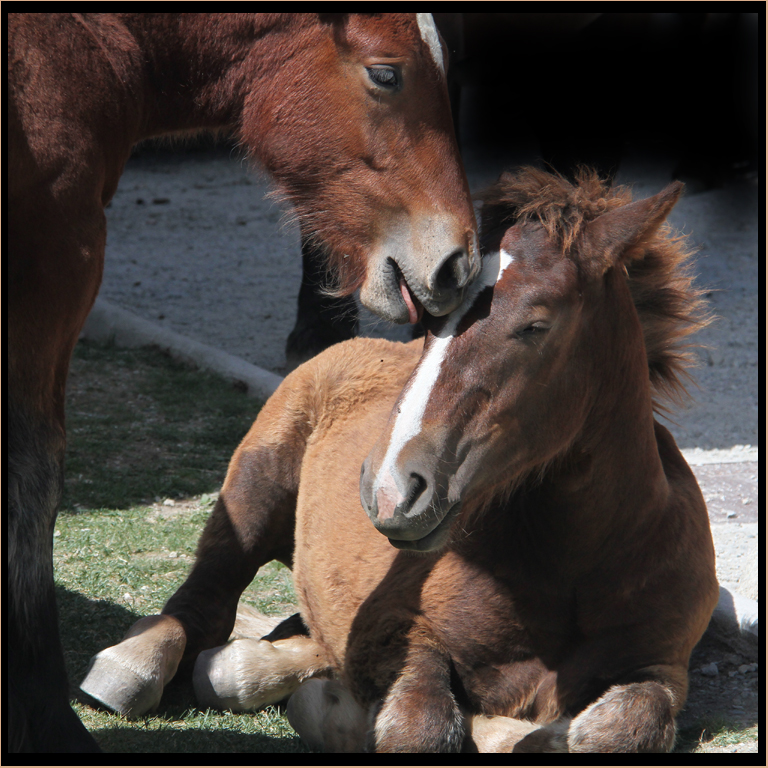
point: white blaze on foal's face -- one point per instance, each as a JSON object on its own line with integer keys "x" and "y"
{"x": 389, "y": 486}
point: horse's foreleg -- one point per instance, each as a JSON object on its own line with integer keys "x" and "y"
{"x": 634, "y": 717}
{"x": 321, "y": 320}
{"x": 251, "y": 524}
{"x": 418, "y": 713}
{"x": 40, "y": 718}
{"x": 55, "y": 259}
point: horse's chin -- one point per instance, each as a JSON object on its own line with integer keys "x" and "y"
{"x": 385, "y": 293}
{"x": 436, "y": 539}
{"x": 389, "y": 293}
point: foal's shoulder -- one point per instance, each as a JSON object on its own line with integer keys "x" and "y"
{"x": 359, "y": 371}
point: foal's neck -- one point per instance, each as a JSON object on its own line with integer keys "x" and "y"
{"x": 617, "y": 453}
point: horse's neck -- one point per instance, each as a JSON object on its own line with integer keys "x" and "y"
{"x": 198, "y": 71}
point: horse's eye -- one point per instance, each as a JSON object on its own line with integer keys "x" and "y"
{"x": 385, "y": 77}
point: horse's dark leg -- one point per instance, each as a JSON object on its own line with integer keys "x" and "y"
{"x": 251, "y": 524}
{"x": 321, "y": 320}
{"x": 40, "y": 718}
{"x": 53, "y": 283}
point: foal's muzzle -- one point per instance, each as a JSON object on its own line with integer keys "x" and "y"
{"x": 417, "y": 517}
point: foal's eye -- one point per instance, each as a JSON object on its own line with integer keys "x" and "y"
{"x": 385, "y": 77}
{"x": 531, "y": 330}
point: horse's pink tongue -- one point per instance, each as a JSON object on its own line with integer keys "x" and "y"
{"x": 415, "y": 310}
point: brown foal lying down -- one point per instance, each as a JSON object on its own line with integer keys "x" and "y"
{"x": 540, "y": 563}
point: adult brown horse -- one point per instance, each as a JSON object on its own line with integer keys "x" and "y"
{"x": 564, "y": 567}
{"x": 347, "y": 112}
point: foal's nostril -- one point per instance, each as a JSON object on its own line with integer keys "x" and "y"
{"x": 416, "y": 486}
{"x": 454, "y": 272}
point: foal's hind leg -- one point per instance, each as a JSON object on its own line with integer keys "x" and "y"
{"x": 255, "y": 668}
{"x": 251, "y": 524}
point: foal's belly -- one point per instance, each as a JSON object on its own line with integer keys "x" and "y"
{"x": 339, "y": 557}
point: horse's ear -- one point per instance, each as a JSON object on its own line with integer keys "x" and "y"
{"x": 620, "y": 234}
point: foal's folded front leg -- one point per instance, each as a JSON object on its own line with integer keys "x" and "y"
{"x": 252, "y": 523}
{"x": 634, "y": 717}
{"x": 420, "y": 712}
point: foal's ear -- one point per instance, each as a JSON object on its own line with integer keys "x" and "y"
{"x": 620, "y": 234}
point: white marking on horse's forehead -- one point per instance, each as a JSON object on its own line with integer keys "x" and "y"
{"x": 431, "y": 38}
{"x": 414, "y": 400}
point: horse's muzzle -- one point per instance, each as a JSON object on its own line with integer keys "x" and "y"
{"x": 435, "y": 259}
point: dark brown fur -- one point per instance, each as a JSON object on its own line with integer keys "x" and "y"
{"x": 670, "y": 308}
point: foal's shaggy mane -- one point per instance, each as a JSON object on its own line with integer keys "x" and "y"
{"x": 670, "y": 308}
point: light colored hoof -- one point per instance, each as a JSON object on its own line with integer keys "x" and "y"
{"x": 505, "y": 734}
{"x": 112, "y": 683}
{"x": 326, "y": 716}
{"x": 244, "y": 675}
{"x": 129, "y": 678}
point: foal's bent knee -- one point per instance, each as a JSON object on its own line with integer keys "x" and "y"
{"x": 637, "y": 717}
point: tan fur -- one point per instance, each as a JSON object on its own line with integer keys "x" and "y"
{"x": 252, "y": 623}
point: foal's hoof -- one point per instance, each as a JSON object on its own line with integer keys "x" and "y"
{"x": 129, "y": 678}
{"x": 112, "y": 684}
{"x": 244, "y": 675}
{"x": 327, "y": 717}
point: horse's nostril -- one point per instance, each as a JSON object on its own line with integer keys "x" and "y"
{"x": 454, "y": 272}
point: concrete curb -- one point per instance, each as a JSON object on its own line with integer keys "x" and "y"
{"x": 109, "y": 322}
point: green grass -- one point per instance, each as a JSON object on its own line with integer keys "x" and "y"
{"x": 142, "y": 426}
{"x": 715, "y": 734}
{"x": 149, "y": 444}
